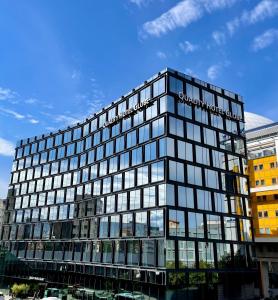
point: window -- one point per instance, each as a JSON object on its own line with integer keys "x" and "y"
{"x": 159, "y": 87}
{"x": 158, "y": 127}
{"x": 148, "y": 253}
{"x": 176, "y": 223}
{"x": 262, "y": 181}
{"x": 206, "y": 255}
{"x": 210, "y": 137}
{"x": 194, "y": 175}
{"x": 176, "y": 85}
{"x": 141, "y": 224}
{"x": 134, "y": 199}
{"x": 230, "y": 226}
{"x": 119, "y": 253}
{"x": 192, "y": 91}
{"x": 103, "y": 227}
{"x": 129, "y": 179}
{"x": 166, "y": 147}
{"x": 211, "y": 178}
{"x": 202, "y": 155}
{"x": 204, "y": 200}
{"x": 133, "y": 252}
{"x": 151, "y": 111}
{"x": 193, "y": 132}
{"x": 142, "y": 175}
{"x": 274, "y": 180}
{"x": 145, "y": 94}
{"x": 195, "y": 225}
{"x": 136, "y": 156}
{"x": 157, "y": 222}
{"x": 187, "y": 257}
{"x": 185, "y": 151}
{"x": 115, "y": 226}
{"x": 122, "y": 202}
{"x": 149, "y": 197}
{"x": 255, "y": 168}
{"x": 272, "y": 165}
{"x": 176, "y": 171}
{"x": 127, "y": 225}
{"x": 166, "y": 194}
{"x": 131, "y": 139}
{"x": 144, "y": 133}
{"x": 150, "y": 151}
{"x": 261, "y": 167}
{"x": 167, "y": 103}
{"x": 176, "y": 126}
{"x": 184, "y": 110}
{"x": 185, "y": 197}
{"x": 157, "y": 171}
{"x": 214, "y": 227}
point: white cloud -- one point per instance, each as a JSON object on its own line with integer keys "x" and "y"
{"x": 219, "y": 37}
{"x": 161, "y": 55}
{"x": 213, "y": 72}
{"x": 265, "y": 39}
{"x": 75, "y": 74}
{"x": 13, "y": 113}
{"x": 187, "y": 47}
{"x": 183, "y": 14}
{"x": 6, "y": 94}
{"x": 31, "y": 101}
{"x": 140, "y": 3}
{"x": 3, "y": 189}
{"x": 33, "y": 121}
{"x": 6, "y": 147}
{"x": 190, "y": 72}
{"x": 263, "y": 10}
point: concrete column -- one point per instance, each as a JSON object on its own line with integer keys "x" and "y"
{"x": 264, "y": 278}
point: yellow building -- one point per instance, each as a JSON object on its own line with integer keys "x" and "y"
{"x": 262, "y": 147}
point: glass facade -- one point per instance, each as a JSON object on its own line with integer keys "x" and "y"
{"x": 150, "y": 185}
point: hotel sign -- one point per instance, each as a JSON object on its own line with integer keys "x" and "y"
{"x": 127, "y": 113}
{"x": 202, "y": 104}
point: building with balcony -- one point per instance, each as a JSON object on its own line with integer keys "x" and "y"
{"x": 149, "y": 194}
{"x": 262, "y": 146}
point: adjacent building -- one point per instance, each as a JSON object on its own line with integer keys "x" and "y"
{"x": 262, "y": 146}
{"x": 149, "y": 194}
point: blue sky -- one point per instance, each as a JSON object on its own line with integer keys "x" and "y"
{"x": 62, "y": 60}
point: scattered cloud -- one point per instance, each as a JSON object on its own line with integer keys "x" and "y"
{"x": 161, "y": 55}
{"x": 6, "y": 94}
{"x": 6, "y": 147}
{"x": 265, "y": 39}
{"x": 140, "y": 3}
{"x": 219, "y": 37}
{"x": 182, "y": 15}
{"x": 263, "y": 10}
{"x": 190, "y": 72}
{"x": 213, "y": 72}
{"x": 75, "y": 74}
{"x": 31, "y": 101}
{"x": 187, "y": 47}
{"x": 33, "y": 121}
{"x": 13, "y": 113}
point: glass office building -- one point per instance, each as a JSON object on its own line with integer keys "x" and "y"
{"x": 148, "y": 194}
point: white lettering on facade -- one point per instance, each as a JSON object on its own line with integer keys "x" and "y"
{"x": 127, "y": 113}
{"x": 187, "y": 100}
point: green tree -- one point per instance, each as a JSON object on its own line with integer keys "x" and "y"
{"x": 20, "y": 290}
